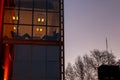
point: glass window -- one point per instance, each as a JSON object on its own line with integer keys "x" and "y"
{"x": 39, "y": 32}
{"x": 9, "y": 3}
{"x": 11, "y": 16}
{"x": 25, "y": 17}
{"x": 51, "y": 30}
{"x": 40, "y": 5}
{"x": 53, "y": 5}
{"x": 25, "y": 32}
{"x": 52, "y": 34}
{"x": 53, "y": 19}
{"x": 26, "y": 4}
{"x": 16, "y": 2}
{"x": 8, "y": 29}
{"x": 40, "y": 18}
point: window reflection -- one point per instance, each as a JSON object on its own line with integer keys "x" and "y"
{"x": 25, "y": 17}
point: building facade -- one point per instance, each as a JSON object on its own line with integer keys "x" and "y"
{"x": 32, "y": 39}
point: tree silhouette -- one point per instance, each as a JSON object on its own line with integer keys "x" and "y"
{"x": 69, "y": 72}
{"x": 79, "y": 68}
{"x": 85, "y": 68}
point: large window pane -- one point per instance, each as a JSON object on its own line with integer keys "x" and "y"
{"x": 39, "y": 32}
{"x": 8, "y": 29}
{"x": 11, "y": 16}
{"x": 53, "y": 19}
{"x": 25, "y": 17}
{"x": 52, "y": 30}
{"x": 40, "y": 18}
{"x": 10, "y": 3}
{"x": 26, "y": 4}
{"x": 52, "y": 34}
{"x": 40, "y": 5}
{"x": 25, "y": 32}
{"x": 53, "y": 5}
{"x": 16, "y": 2}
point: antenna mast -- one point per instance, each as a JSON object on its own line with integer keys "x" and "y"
{"x": 106, "y": 44}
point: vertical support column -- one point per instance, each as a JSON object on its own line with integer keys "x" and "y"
{"x": 62, "y": 39}
{"x": 1, "y": 18}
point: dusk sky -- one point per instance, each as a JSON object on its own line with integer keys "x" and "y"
{"x": 88, "y": 23}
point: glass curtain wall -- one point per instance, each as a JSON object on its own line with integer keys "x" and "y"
{"x": 32, "y": 19}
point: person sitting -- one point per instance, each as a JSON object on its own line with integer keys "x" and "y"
{"x": 55, "y": 36}
{"x": 14, "y": 35}
{"x": 25, "y": 36}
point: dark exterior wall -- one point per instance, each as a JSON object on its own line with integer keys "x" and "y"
{"x": 36, "y": 62}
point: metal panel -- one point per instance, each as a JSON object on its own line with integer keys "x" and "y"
{"x": 36, "y": 62}
{"x": 22, "y": 62}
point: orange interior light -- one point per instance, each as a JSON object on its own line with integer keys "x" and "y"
{"x": 37, "y": 29}
{"x": 41, "y": 29}
{"x": 38, "y": 19}
{"x": 42, "y": 20}
{"x": 13, "y": 17}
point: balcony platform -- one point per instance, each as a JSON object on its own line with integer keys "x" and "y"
{"x": 31, "y": 42}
